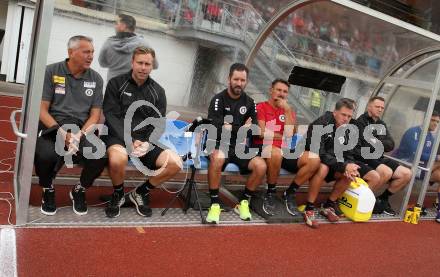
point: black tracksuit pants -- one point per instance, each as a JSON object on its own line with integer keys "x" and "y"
{"x": 47, "y": 162}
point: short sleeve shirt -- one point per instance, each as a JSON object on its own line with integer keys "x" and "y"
{"x": 274, "y": 119}
{"x": 71, "y": 97}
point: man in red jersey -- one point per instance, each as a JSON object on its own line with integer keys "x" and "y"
{"x": 276, "y": 120}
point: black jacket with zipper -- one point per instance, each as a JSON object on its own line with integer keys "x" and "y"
{"x": 327, "y": 144}
{"x": 385, "y": 137}
{"x": 121, "y": 92}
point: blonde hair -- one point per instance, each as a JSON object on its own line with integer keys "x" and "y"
{"x": 140, "y": 50}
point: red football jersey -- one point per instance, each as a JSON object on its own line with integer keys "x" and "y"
{"x": 274, "y": 118}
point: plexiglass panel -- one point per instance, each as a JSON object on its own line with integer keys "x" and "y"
{"x": 335, "y": 39}
{"x": 426, "y": 72}
{"x": 403, "y": 111}
{"x": 196, "y": 41}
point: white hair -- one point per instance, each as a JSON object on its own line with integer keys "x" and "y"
{"x": 73, "y": 42}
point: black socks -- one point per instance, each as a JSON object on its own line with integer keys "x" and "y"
{"x": 292, "y": 188}
{"x": 329, "y": 203}
{"x": 385, "y": 195}
{"x": 271, "y": 188}
{"x": 213, "y": 193}
{"x": 310, "y": 206}
{"x": 247, "y": 195}
{"x": 145, "y": 188}
{"x": 119, "y": 189}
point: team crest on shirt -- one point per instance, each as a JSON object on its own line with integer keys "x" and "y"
{"x": 243, "y": 109}
{"x": 89, "y": 92}
{"x": 341, "y": 140}
{"x": 282, "y": 117}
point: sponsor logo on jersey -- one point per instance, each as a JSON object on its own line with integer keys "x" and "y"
{"x": 59, "y": 79}
{"x": 60, "y": 89}
{"x": 89, "y": 84}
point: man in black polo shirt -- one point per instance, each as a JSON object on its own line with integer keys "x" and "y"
{"x": 123, "y": 94}
{"x": 389, "y": 170}
{"x": 230, "y": 110}
{"x": 72, "y": 94}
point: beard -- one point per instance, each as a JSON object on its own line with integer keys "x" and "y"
{"x": 237, "y": 90}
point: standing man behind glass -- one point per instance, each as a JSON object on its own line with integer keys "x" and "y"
{"x": 117, "y": 50}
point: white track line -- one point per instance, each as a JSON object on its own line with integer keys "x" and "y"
{"x": 8, "y": 254}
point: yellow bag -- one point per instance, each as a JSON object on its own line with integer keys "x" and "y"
{"x": 357, "y": 202}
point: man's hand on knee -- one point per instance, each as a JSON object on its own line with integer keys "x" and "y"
{"x": 139, "y": 148}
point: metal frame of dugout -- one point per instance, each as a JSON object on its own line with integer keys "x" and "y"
{"x": 27, "y": 131}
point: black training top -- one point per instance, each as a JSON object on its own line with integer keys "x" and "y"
{"x": 223, "y": 109}
{"x": 383, "y": 135}
{"x": 121, "y": 92}
{"x": 327, "y": 143}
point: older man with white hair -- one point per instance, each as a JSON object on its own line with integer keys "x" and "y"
{"x": 70, "y": 106}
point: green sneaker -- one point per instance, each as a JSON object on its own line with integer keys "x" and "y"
{"x": 214, "y": 214}
{"x": 242, "y": 210}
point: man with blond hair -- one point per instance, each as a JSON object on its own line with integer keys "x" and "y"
{"x": 122, "y": 94}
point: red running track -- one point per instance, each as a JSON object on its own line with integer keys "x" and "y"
{"x": 371, "y": 249}
{"x": 7, "y": 152}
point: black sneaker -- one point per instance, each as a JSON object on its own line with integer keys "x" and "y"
{"x": 113, "y": 208}
{"x": 388, "y": 210}
{"x": 142, "y": 202}
{"x": 291, "y": 207}
{"x": 269, "y": 203}
{"x": 379, "y": 206}
{"x": 48, "y": 206}
{"x": 78, "y": 197}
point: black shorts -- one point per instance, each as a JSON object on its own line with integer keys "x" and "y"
{"x": 110, "y": 141}
{"x": 148, "y": 160}
{"x": 243, "y": 164}
{"x": 388, "y": 162}
{"x": 290, "y": 165}
{"x": 363, "y": 170}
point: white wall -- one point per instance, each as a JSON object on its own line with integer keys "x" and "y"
{"x": 10, "y": 41}
{"x": 3, "y": 13}
{"x": 176, "y": 57}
